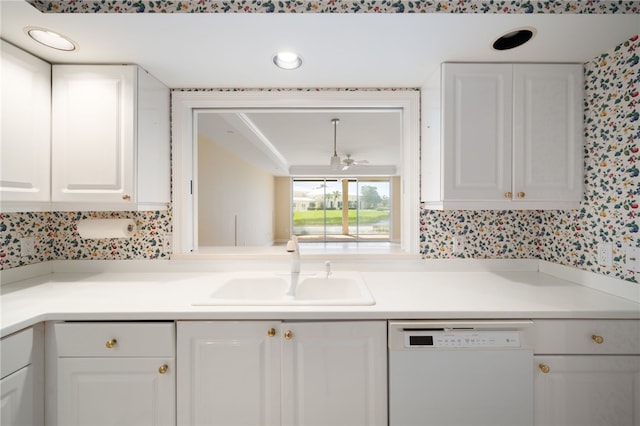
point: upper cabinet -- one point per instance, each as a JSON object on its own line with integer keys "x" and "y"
{"x": 110, "y": 137}
{"x": 26, "y": 127}
{"x": 503, "y": 136}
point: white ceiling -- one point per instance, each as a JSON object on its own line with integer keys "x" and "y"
{"x": 278, "y": 141}
{"x": 363, "y": 50}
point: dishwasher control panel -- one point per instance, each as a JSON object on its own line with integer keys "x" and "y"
{"x": 461, "y": 339}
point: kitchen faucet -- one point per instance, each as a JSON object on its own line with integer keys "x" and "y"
{"x": 294, "y": 249}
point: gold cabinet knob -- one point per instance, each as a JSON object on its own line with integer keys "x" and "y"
{"x": 288, "y": 335}
{"x": 271, "y": 332}
{"x": 508, "y": 195}
{"x": 163, "y": 369}
{"x": 126, "y": 197}
{"x": 111, "y": 343}
{"x": 521, "y": 194}
{"x": 597, "y": 339}
{"x": 544, "y": 368}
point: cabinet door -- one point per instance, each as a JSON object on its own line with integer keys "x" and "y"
{"x": 477, "y": 129}
{"x": 16, "y": 398}
{"x": 229, "y": 373}
{"x": 116, "y": 391}
{"x": 334, "y": 373}
{"x": 93, "y": 133}
{"x": 547, "y": 148}
{"x": 587, "y": 390}
{"x": 25, "y": 142}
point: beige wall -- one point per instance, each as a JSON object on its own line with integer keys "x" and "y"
{"x": 230, "y": 188}
{"x": 283, "y": 209}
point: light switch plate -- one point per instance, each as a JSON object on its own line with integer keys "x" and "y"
{"x": 632, "y": 258}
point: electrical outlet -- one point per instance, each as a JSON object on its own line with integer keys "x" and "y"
{"x": 605, "y": 254}
{"x": 632, "y": 255}
{"x": 27, "y": 247}
{"x": 458, "y": 243}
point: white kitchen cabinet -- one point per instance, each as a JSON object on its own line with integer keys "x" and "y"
{"x": 110, "y": 138}
{"x": 292, "y": 373}
{"x": 111, "y": 374}
{"x": 510, "y": 137}
{"x": 229, "y": 373}
{"x": 22, "y": 378}
{"x": 587, "y": 373}
{"x": 334, "y": 373}
{"x": 26, "y": 128}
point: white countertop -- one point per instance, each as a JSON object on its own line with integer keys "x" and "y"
{"x": 399, "y": 295}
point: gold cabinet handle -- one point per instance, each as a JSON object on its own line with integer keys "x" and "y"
{"x": 508, "y": 195}
{"x": 163, "y": 369}
{"x": 126, "y": 197}
{"x": 521, "y": 194}
{"x": 271, "y": 332}
{"x": 544, "y": 368}
{"x": 288, "y": 335}
{"x": 111, "y": 343}
{"x": 597, "y": 339}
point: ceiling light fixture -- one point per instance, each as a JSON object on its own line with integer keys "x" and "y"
{"x": 51, "y": 39}
{"x": 514, "y": 38}
{"x": 287, "y": 60}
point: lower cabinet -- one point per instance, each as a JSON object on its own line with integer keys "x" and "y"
{"x": 587, "y": 390}
{"x": 111, "y": 374}
{"x": 291, "y": 373}
{"x": 22, "y": 378}
{"x": 587, "y": 373}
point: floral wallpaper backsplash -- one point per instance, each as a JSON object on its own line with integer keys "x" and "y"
{"x": 56, "y": 237}
{"x": 609, "y": 211}
{"x": 337, "y": 6}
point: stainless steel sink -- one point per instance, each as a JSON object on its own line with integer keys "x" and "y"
{"x": 339, "y": 289}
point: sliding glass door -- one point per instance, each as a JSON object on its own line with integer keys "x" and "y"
{"x": 341, "y": 209}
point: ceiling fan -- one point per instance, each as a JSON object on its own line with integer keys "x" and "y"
{"x": 336, "y": 162}
{"x": 348, "y": 162}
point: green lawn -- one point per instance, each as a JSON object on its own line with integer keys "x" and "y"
{"x": 334, "y": 217}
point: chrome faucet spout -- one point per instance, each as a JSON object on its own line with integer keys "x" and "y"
{"x": 294, "y": 249}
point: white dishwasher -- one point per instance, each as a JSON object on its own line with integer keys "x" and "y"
{"x": 460, "y": 373}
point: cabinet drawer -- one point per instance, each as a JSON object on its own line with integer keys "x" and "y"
{"x": 587, "y": 336}
{"x": 15, "y": 351}
{"x": 121, "y": 339}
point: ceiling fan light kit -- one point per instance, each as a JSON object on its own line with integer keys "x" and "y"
{"x": 335, "y": 161}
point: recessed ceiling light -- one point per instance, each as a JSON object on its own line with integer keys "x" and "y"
{"x": 51, "y": 39}
{"x": 287, "y": 60}
{"x": 514, "y": 38}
